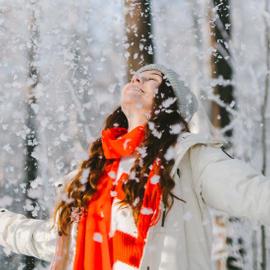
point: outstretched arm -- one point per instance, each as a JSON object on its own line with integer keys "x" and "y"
{"x": 26, "y": 236}
{"x": 230, "y": 185}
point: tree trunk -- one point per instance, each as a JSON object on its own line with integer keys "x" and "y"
{"x": 264, "y": 140}
{"x": 31, "y": 163}
{"x": 220, "y": 29}
{"x": 139, "y": 37}
{"x": 221, "y": 73}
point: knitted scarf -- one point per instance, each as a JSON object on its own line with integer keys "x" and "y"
{"x": 96, "y": 249}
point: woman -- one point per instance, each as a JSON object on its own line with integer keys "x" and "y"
{"x": 140, "y": 201}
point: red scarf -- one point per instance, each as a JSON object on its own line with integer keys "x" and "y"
{"x": 95, "y": 249}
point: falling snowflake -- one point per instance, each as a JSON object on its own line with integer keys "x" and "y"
{"x": 113, "y": 193}
{"x": 147, "y": 211}
{"x": 155, "y": 179}
{"x": 97, "y": 237}
{"x": 142, "y": 150}
{"x": 176, "y": 129}
{"x": 170, "y": 153}
{"x": 85, "y": 174}
{"x": 112, "y": 174}
{"x": 154, "y": 131}
{"x": 168, "y": 102}
{"x": 136, "y": 201}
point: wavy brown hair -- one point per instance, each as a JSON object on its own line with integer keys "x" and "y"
{"x": 161, "y": 133}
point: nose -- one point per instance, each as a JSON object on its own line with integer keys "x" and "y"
{"x": 136, "y": 78}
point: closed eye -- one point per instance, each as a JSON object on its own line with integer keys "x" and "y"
{"x": 151, "y": 79}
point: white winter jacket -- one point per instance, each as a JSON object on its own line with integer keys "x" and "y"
{"x": 205, "y": 176}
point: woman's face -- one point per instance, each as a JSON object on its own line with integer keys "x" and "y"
{"x": 137, "y": 96}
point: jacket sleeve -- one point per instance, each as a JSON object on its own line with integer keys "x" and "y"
{"x": 26, "y": 236}
{"x": 229, "y": 184}
{"x": 31, "y": 237}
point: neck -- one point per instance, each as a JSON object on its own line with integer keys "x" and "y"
{"x": 136, "y": 121}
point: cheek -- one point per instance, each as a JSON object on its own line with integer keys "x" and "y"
{"x": 123, "y": 90}
{"x": 148, "y": 101}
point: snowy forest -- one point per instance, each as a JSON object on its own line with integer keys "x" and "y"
{"x": 64, "y": 62}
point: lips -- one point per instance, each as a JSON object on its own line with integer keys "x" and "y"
{"x": 136, "y": 88}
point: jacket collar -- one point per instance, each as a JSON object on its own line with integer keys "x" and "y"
{"x": 186, "y": 140}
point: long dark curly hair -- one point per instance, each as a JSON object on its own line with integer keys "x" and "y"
{"x": 167, "y": 122}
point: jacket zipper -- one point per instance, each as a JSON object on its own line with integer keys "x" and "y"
{"x": 223, "y": 149}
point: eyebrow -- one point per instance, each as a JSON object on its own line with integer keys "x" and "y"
{"x": 156, "y": 74}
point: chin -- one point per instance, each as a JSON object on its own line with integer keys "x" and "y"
{"x": 130, "y": 100}
{"x": 126, "y": 106}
